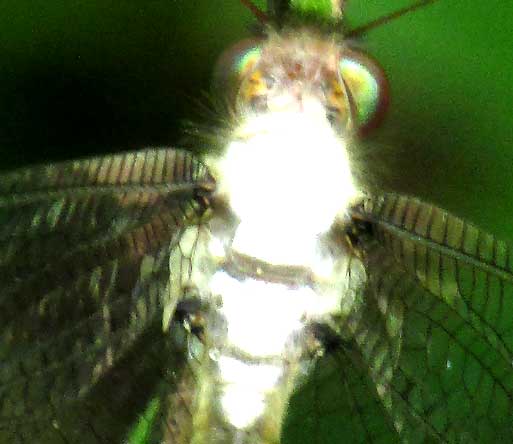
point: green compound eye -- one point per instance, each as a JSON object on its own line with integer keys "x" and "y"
{"x": 368, "y": 87}
{"x": 233, "y": 65}
{"x": 246, "y": 60}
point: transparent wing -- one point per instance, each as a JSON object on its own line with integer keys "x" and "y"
{"x": 84, "y": 280}
{"x": 426, "y": 356}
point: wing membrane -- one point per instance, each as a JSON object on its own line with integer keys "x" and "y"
{"x": 468, "y": 269}
{"x": 338, "y": 401}
{"x": 426, "y": 353}
{"x": 449, "y": 383}
{"x": 85, "y": 277}
{"x": 454, "y": 376}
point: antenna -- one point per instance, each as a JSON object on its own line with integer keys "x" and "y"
{"x": 360, "y": 30}
{"x": 278, "y": 9}
{"x": 261, "y": 16}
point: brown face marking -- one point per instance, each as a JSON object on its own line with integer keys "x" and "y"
{"x": 254, "y": 86}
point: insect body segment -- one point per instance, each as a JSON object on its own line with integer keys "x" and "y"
{"x": 247, "y": 371}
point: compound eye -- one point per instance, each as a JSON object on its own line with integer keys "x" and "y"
{"x": 234, "y": 65}
{"x": 368, "y": 87}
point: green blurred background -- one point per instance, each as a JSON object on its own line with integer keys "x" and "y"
{"x": 93, "y": 76}
{"x": 86, "y": 76}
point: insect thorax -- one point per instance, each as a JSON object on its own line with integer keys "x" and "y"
{"x": 267, "y": 266}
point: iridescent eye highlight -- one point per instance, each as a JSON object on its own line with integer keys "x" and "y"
{"x": 233, "y": 66}
{"x": 368, "y": 87}
{"x": 247, "y": 60}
